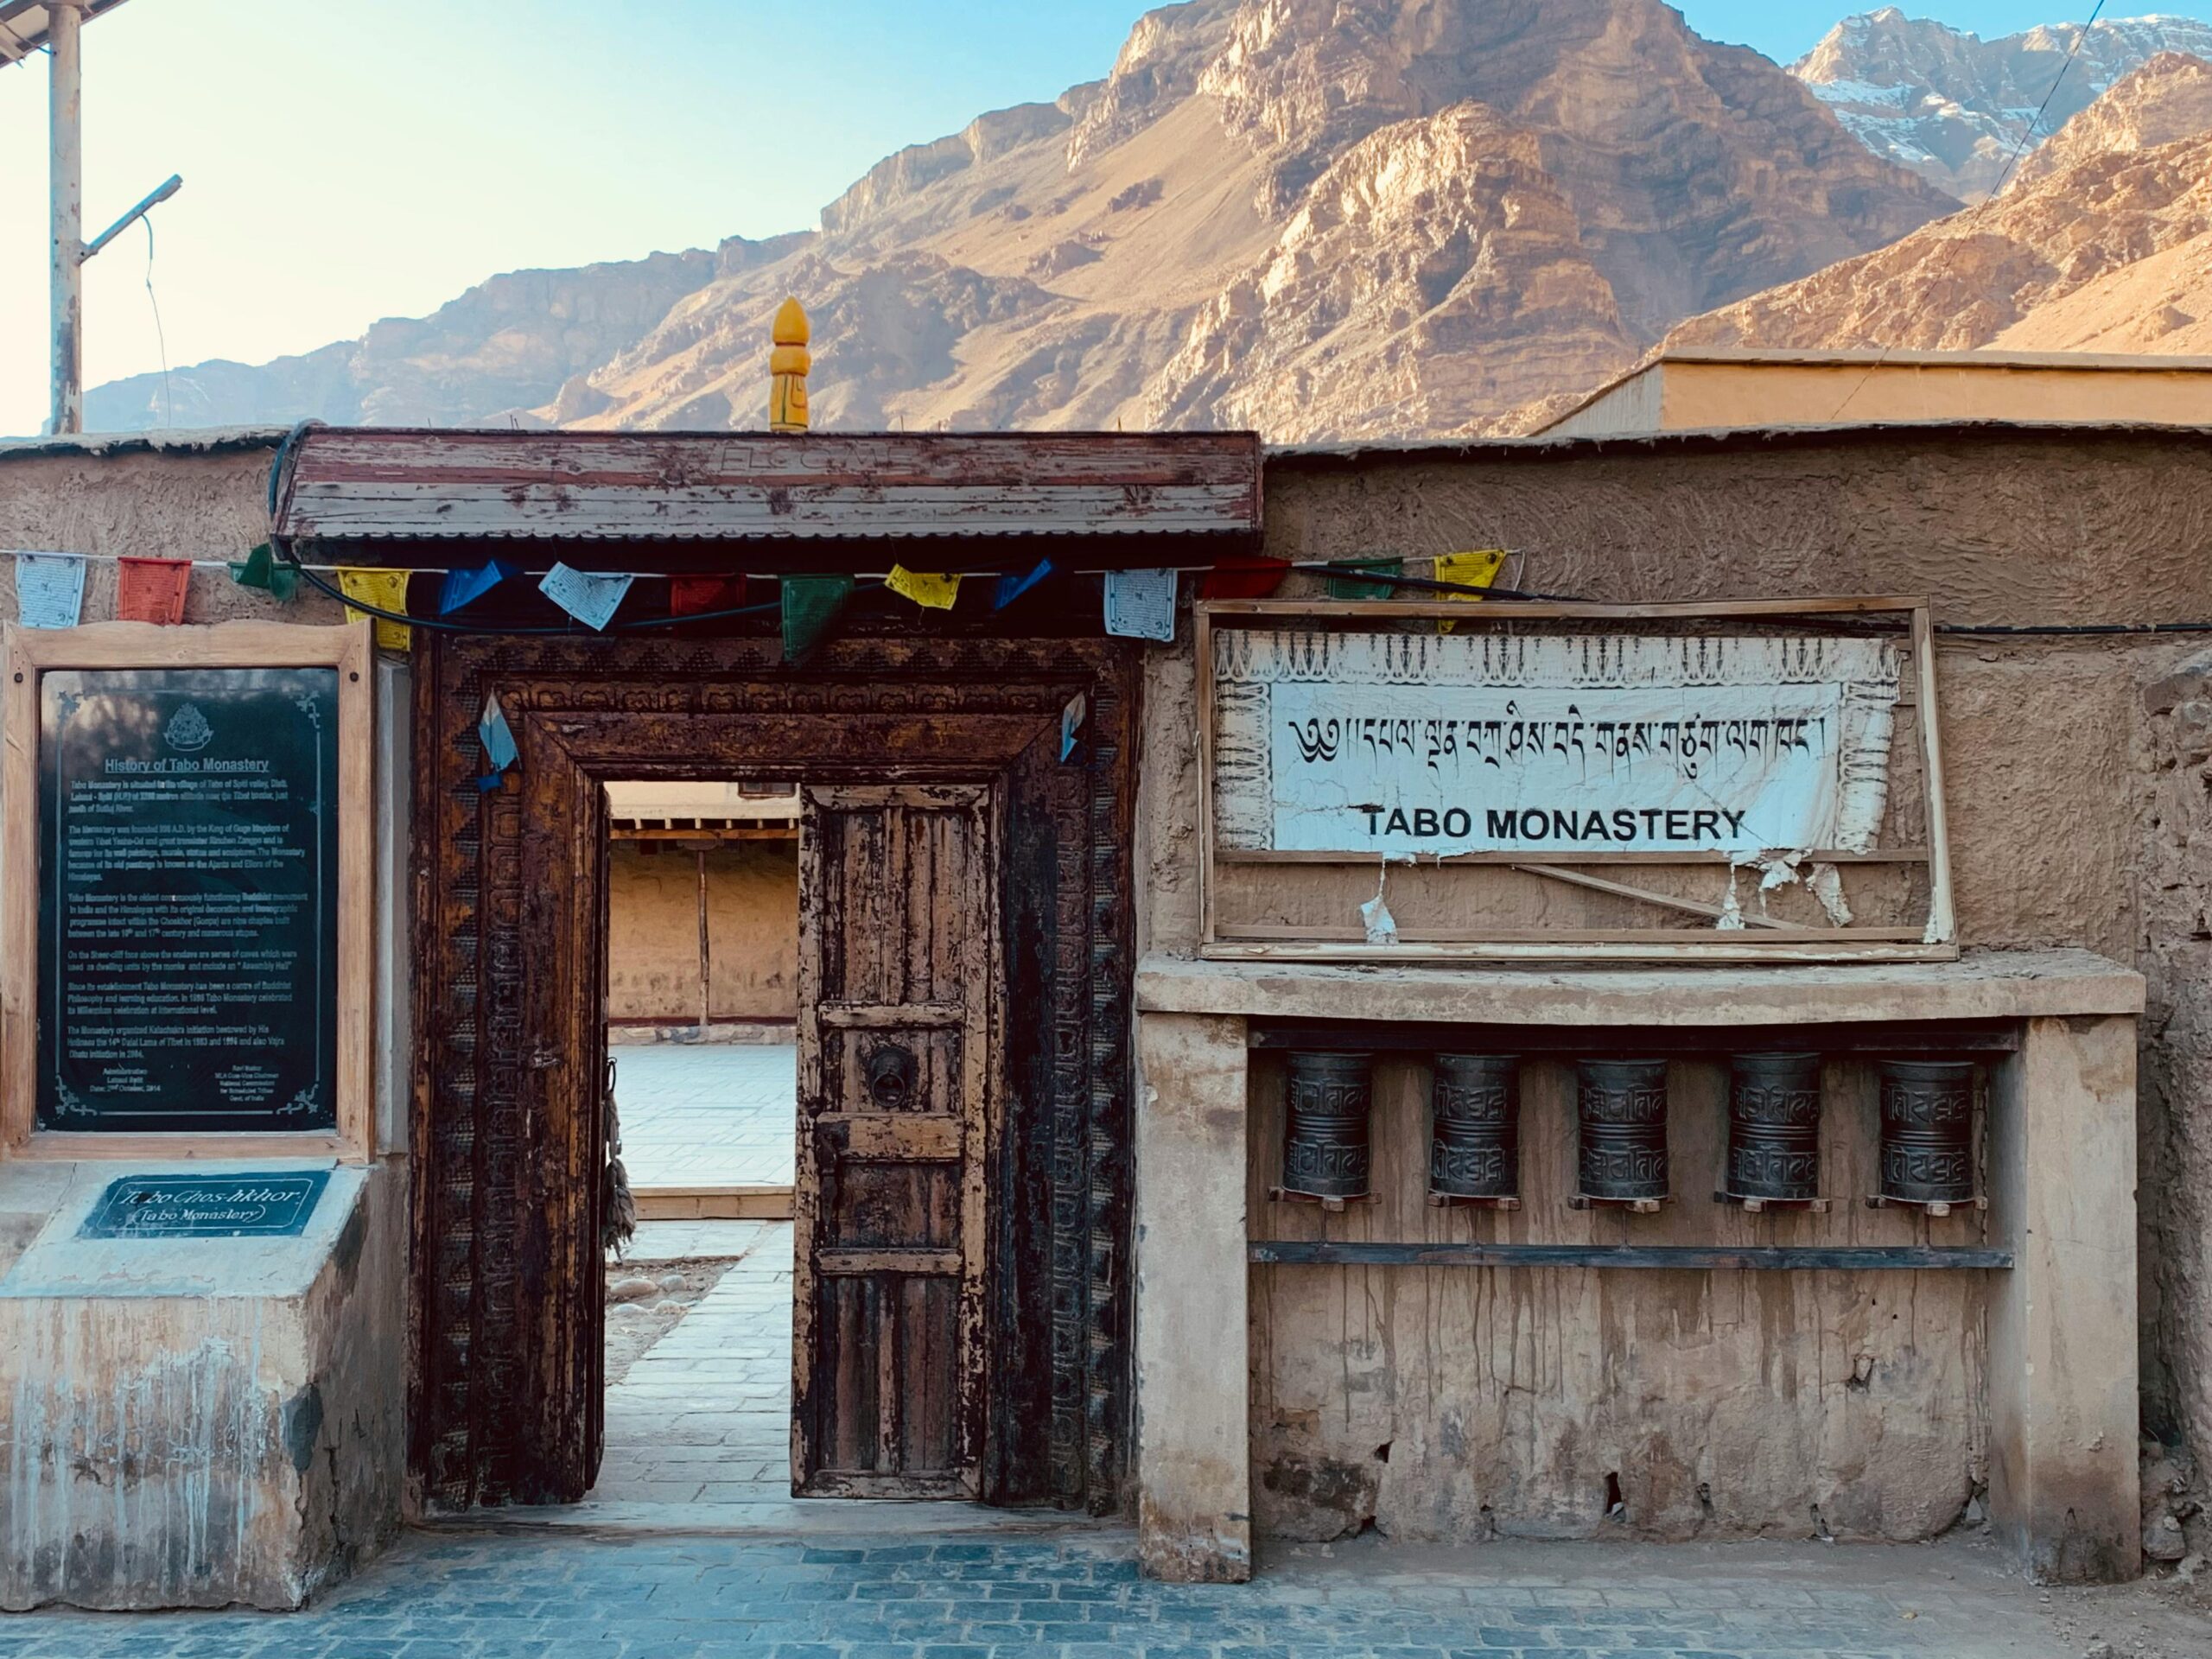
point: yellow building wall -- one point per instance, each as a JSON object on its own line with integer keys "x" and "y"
{"x": 752, "y": 926}
{"x": 1701, "y": 395}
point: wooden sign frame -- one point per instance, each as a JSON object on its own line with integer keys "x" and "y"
{"x": 1935, "y": 940}
{"x": 30, "y": 653}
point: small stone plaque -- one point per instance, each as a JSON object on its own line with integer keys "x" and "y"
{"x": 206, "y": 1206}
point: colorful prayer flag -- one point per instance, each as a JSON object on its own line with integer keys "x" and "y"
{"x": 151, "y": 590}
{"x": 466, "y": 587}
{"x": 1013, "y": 588}
{"x": 499, "y": 740}
{"x": 810, "y": 604}
{"x": 1351, "y": 586}
{"x": 1476, "y": 569}
{"x": 1140, "y": 604}
{"x": 931, "y": 592}
{"x": 696, "y": 595}
{"x": 592, "y": 597}
{"x": 261, "y": 569}
{"x": 49, "y": 589}
{"x": 1243, "y": 579}
{"x": 387, "y": 591}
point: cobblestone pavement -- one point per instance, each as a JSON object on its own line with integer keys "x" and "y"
{"x": 703, "y": 1416}
{"x": 1076, "y": 1595}
{"x": 708, "y": 1113}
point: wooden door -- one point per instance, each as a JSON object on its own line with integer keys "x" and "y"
{"x": 897, "y": 1086}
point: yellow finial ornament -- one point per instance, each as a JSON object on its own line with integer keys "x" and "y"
{"x": 787, "y": 367}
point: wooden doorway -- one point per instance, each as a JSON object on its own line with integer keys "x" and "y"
{"x": 1008, "y": 1266}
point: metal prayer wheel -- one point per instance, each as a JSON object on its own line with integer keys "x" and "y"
{"x": 1326, "y": 1153}
{"x": 1474, "y": 1136}
{"x": 1927, "y": 1131}
{"x": 1622, "y": 1107}
{"x": 1774, "y": 1126}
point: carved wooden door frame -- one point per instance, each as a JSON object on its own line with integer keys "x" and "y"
{"x": 506, "y": 1368}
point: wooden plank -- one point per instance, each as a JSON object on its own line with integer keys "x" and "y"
{"x": 885, "y": 1016}
{"x": 1774, "y": 932}
{"x": 1321, "y": 1252}
{"x": 19, "y": 893}
{"x": 1249, "y": 612}
{"x": 916, "y": 1137}
{"x": 1764, "y": 948}
{"x": 1202, "y": 645}
{"x": 713, "y": 1202}
{"x": 1645, "y": 896}
{"x": 940, "y": 1263}
{"x": 1703, "y": 1042}
{"x": 1506, "y": 856}
{"x": 1942, "y": 923}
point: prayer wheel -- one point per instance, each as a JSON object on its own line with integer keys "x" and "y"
{"x": 1774, "y": 1126}
{"x": 1622, "y": 1107}
{"x": 1474, "y": 1137}
{"x": 1326, "y": 1153}
{"x": 1927, "y": 1131}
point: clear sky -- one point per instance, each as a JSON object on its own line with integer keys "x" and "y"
{"x": 343, "y": 161}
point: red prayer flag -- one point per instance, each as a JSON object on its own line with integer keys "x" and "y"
{"x": 693, "y": 595}
{"x": 1243, "y": 579}
{"x": 151, "y": 590}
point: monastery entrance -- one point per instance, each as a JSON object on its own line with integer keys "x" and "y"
{"x": 961, "y": 1281}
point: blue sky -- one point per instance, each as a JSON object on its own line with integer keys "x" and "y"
{"x": 343, "y": 161}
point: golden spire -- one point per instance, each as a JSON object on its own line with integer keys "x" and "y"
{"x": 787, "y": 367}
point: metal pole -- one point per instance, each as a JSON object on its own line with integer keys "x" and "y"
{"x": 65, "y": 98}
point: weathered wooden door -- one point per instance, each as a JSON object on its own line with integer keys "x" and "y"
{"x": 897, "y": 1086}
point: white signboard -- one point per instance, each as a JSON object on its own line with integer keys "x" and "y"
{"x": 1552, "y": 744}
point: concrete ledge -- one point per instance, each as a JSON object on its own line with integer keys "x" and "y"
{"x": 1982, "y": 985}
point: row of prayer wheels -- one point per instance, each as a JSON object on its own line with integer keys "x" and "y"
{"x": 1774, "y": 1130}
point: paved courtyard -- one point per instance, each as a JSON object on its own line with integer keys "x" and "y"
{"x": 708, "y": 1113}
{"x": 703, "y": 1415}
{"x": 1076, "y": 1595}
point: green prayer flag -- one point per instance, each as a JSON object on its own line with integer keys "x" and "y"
{"x": 259, "y": 568}
{"x": 1351, "y": 586}
{"x": 810, "y": 604}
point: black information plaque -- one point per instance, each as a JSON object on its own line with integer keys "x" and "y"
{"x": 206, "y": 1206}
{"x": 188, "y": 900}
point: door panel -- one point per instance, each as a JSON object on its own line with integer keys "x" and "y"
{"x": 898, "y": 993}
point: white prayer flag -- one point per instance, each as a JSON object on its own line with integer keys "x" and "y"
{"x": 1140, "y": 604}
{"x": 49, "y": 589}
{"x": 589, "y": 596}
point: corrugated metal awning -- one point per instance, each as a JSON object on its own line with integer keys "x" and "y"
{"x": 25, "y": 24}
{"x": 337, "y": 484}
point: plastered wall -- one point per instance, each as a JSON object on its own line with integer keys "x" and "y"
{"x": 2079, "y": 788}
{"x": 752, "y": 929}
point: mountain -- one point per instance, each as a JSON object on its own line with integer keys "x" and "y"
{"x": 1320, "y": 218}
{"x": 2105, "y": 245}
{"x": 1953, "y": 107}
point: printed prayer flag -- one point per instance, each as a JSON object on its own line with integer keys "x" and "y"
{"x": 499, "y": 740}
{"x": 1351, "y": 586}
{"x": 49, "y": 589}
{"x": 1476, "y": 569}
{"x": 466, "y": 587}
{"x": 697, "y": 595}
{"x": 810, "y": 604}
{"x": 1243, "y": 579}
{"x": 387, "y": 591}
{"x": 931, "y": 592}
{"x": 1140, "y": 604}
{"x": 1071, "y": 719}
{"x": 589, "y": 596}
{"x": 1013, "y": 588}
{"x": 261, "y": 569}
{"x": 151, "y": 590}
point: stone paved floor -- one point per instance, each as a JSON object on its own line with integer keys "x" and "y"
{"x": 704, "y": 1414}
{"x": 707, "y": 1114}
{"x": 1076, "y": 1595}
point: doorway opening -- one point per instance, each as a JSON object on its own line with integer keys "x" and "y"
{"x": 701, "y": 1018}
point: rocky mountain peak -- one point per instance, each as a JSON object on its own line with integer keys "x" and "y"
{"x": 2169, "y": 97}
{"x": 1955, "y": 108}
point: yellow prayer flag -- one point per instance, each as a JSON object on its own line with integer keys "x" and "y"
{"x": 931, "y": 593}
{"x": 387, "y": 591}
{"x": 1476, "y": 569}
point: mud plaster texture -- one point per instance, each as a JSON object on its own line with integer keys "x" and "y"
{"x": 652, "y": 932}
{"x": 2079, "y": 787}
